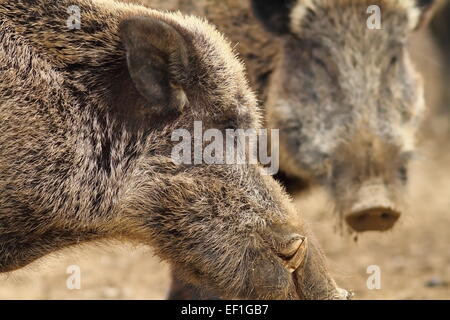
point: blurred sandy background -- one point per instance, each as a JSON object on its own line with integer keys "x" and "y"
{"x": 414, "y": 258}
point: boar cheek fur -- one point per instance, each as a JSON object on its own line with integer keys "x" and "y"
{"x": 72, "y": 171}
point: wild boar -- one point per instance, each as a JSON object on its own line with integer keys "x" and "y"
{"x": 347, "y": 100}
{"x": 90, "y": 94}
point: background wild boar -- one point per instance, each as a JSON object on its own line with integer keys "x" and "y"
{"x": 347, "y": 100}
{"x": 87, "y": 116}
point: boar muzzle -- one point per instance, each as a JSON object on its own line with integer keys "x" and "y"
{"x": 372, "y": 219}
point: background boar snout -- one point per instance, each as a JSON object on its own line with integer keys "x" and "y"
{"x": 373, "y": 211}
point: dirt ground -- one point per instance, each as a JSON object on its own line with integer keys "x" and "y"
{"x": 414, "y": 258}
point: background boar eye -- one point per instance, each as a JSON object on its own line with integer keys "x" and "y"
{"x": 403, "y": 174}
{"x": 393, "y": 61}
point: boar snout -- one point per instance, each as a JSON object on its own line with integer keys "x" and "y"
{"x": 373, "y": 219}
{"x": 373, "y": 211}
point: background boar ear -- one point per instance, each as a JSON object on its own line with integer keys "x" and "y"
{"x": 157, "y": 56}
{"x": 274, "y": 14}
{"x": 420, "y": 19}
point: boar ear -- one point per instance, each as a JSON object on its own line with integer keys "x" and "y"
{"x": 157, "y": 56}
{"x": 421, "y": 14}
{"x": 274, "y": 14}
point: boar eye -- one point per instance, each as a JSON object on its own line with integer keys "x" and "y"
{"x": 403, "y": 174}
{"x": 323, "y": 60}
{"x": 393, "y": 61}
{"x": 322, "y": 63}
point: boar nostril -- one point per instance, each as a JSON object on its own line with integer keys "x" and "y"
{"x": 385, "y": 215}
